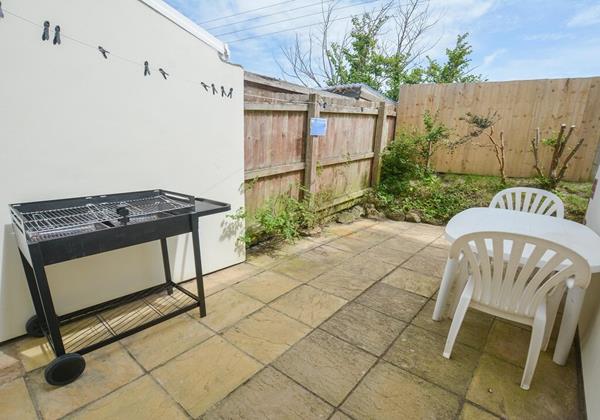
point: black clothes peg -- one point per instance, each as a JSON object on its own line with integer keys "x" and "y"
{"x": 230, "y": 94}
{"x": 46, "y": 33}
{"x": 1, "y": 12}
{"x": 204, "y": 85}
{"x": 56, "y": 40}
{"x": 103, "y": 51}
{"x": 214, "y": 89}
{"x": 164, "y": 73}
{"x": 146, "y": 69}
{"x": 223, "y": 93}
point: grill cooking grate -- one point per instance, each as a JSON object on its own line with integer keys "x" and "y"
{"x": 57, "y": 223}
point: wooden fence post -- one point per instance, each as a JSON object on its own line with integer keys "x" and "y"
{"x": 379, "y": 144}
{"x": 310, "y": 146}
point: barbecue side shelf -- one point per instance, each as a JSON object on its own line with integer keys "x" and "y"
{"x": 99, "y": 325}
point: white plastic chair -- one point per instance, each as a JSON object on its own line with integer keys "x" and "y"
{"x": 501, "y": 280}
{"x": 529, "y": 200}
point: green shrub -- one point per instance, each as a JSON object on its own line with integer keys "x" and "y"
{"x": 280, "y": 218}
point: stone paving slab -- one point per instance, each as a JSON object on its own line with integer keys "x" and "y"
{"x": 107, "y": 369}
{"x": 496, "y": 387}
{"x": 472, "y": 412}
{"x": 426, "y": 264}
{"x": 302, "y": 268}
{"x": 420, "y": 352}
{"x": 266, "y": 286}
{"x": 363, "y": 266}
{"x": 473, "y": 332}
{"x": 413, "y": 281}
{"x": 388, "y": 392}
{"x": 350, "y": 244}
{"x": 392, "y": 301}
{"x": 308, "y": 305}
{"x": 15, "y": 402}
{"x": 10, "y": 368}
{"x": 326, "y": 365}
{"x": 204, "y": 375}
{"x": 342, "y": 283}
{"x": 388, "y": 255}
{"x": 270, "y": 395}
{"x": 266, "y": 334}
{"x": 164, "y": 341}
{"x": 365, "y": 328}
{"x": 226, "y": 308}
{"x": 141, "y": 399}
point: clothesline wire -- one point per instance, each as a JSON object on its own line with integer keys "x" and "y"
{"x": 111, "y": 54}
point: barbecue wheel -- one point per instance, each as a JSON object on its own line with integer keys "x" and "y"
{"x": 34, "y": 327}
{"x": 64, "y": 369}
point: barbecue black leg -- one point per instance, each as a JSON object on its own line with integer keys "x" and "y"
{"x": 198, "y": 262}
{"x": 33, "y": 290}
{"x": 165, "y": 255}
{"x": 47, "y": 306}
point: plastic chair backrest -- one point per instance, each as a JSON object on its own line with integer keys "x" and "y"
{"x": 529, "y": 200}
{"x": 514, "y": 273}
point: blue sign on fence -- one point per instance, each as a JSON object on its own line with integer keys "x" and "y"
{"x": 318, "y": 126}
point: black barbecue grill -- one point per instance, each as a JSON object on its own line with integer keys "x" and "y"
{"x": 54, "y": 231}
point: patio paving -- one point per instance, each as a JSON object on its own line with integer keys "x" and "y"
{"x": 332, "y": 327}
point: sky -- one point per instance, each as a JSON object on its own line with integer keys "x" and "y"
{"x": 511, "y": 39}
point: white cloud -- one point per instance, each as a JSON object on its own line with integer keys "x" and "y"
{"x": 586, "y": 17}
{"x": 551, "y": 36}
{"x": 454, "y": 17}
{"x": 490, "y": 58}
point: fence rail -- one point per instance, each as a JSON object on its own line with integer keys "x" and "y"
{"x": 523, "y": 106}
{"x": 282, "y": 158}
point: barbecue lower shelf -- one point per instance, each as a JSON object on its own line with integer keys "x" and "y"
{"x": 102, "y": 324}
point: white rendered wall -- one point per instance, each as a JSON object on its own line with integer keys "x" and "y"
{"x": 589, "y": 336}
{"x": 589, "y": 322}
{"x": 73, "y": 123}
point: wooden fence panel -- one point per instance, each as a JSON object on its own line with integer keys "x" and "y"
{"x": 273, "y": 138}
{"x": 276, "y": 135}
{"x": 260, "y": 190}
{"x": 347, "y": 134}
{"x": 523, "y": 106}
{"x": 349, "y": 178}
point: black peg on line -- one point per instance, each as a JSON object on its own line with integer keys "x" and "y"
{"x": 1, "y": 12}
{"x": 56, "y": 40}
{"x": 223, "y": 93}
{"x": 146, "y": 69}
{"x": 214, "y": 89}
{"x": 46, "y": 33}
{"x": 164, "y": 73}
{"x": 230, "y": 94}
{"x": 204, "y": 85}
{"x": 103, "y": 51}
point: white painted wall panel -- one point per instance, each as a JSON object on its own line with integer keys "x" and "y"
{"x": 73, "y": 123}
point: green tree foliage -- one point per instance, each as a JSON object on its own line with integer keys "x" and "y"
{"x": 364, "y": 60}
{"x": 456, "y": 68}
{"x": 360, "y": 60}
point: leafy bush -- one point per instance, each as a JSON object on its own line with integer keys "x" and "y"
{"x": 399, "y": 163}
{"x": 280, "y": 218}
{"x": 435, "y": 133}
